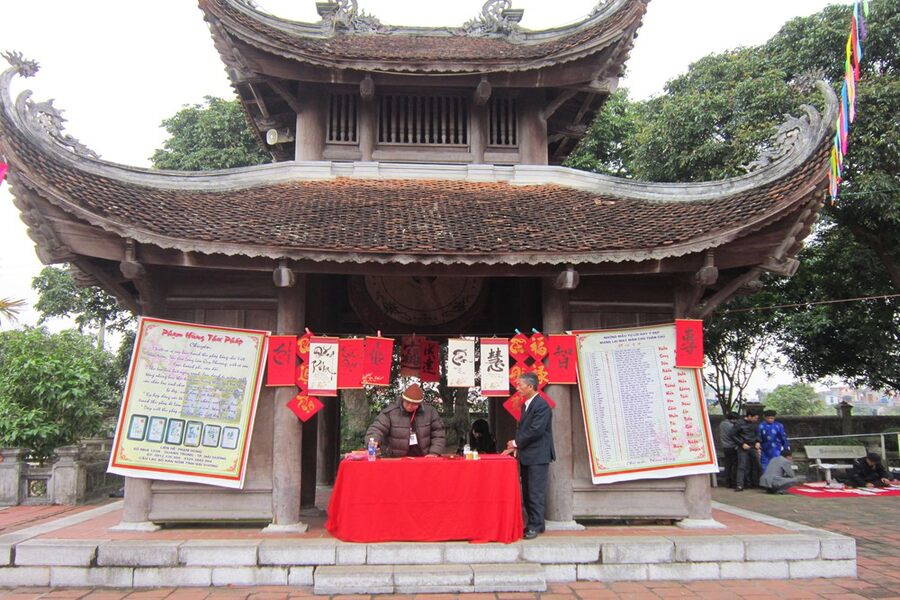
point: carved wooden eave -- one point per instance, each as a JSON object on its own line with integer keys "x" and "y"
{"x": 381, "y": 217}
{"x": 267, "y": 57}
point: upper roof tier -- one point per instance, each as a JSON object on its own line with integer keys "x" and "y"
{"x": 493, "y": 42}
{"x": 377, "y": 213}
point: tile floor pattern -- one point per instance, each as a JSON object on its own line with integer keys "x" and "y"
{"x": 874, "y": 522}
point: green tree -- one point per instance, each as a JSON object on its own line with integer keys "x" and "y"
{"x": 54, "y": 389}
{"x": 10, "y": 308}
{"x": 91, "y": 307}
{"x": 208, "y": 136}
{"x": 797, "y": 399}
{"x": 719, "y": 116}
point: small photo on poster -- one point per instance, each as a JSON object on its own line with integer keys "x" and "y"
{"x": 230, "y": 437}
{"x": 192, "y": 433}
{"x": 137, "y": 428}
{"x": 211, "y": 435}
{"x": 175, "y": 432}
{"x": 157, "y": 429}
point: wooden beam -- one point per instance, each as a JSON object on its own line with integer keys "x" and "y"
{"x": 109, "y": 283}
{"x": 279, "y": 88}
{"x": 260, "y": 103}
{"x": 557, "y": 102}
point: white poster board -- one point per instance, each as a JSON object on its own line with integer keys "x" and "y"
{"x": 189, "y": 403}
{"x": 644, "y": 418}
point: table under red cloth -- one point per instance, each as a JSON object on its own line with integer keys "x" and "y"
{"x": 427, "y": 500}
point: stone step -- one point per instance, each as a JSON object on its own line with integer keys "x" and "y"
{"x": 430, "y": 579}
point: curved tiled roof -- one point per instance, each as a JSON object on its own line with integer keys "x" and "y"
{"x": 421, "y": 49}
{"x": 390, "y": 214}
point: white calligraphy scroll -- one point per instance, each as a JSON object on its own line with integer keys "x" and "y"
{"x": 323, "y": 366}
{"x": 460, "y": 363}
{"x": 495, "y": 367}
{"x": 644, "y": 418}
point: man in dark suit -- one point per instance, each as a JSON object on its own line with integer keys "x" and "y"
{"x": 534, "y": 447}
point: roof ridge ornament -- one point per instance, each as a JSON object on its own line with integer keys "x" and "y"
{"x": 600, "y": 7}
{"x": 346, "y": 15}
{"x": 793, "y": 131}
{"x": 42, "y": 118}
{"x": 497, "y": 17}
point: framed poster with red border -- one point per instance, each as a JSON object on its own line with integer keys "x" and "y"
{"x": 644, "y": 417}
{"x": 189, "y": 403}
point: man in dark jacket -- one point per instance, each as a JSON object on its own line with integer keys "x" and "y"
{"x": 534, "y": 447}
{"x": 746, "y": 441}
{"x": 729, "y": 448}
{"x": 409, "y": 428}
{"x": 868, "y": 471}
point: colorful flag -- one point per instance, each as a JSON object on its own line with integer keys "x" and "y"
{"x": 379, "y": 357}
{"x": 561, "y": 359}
{"x": 689, "y": 344}
{"x": 351, "y": 363}
{"x": 460, "y": 363}
{"x": 281, "y": 364}
{"x": 323, "y": 366}
{"x": 430, "y": 362}
{"x": 494, "y": 367}
{"x": 305, "y": 407}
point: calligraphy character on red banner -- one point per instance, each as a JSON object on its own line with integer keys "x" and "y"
{"x": 282, "y": 359}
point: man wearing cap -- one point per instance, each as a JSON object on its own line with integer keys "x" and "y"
{"x": 869, "y": 472}
{"x": 409, "y": 428}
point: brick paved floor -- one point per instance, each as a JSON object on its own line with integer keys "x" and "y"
{"x": 874, "y": 522}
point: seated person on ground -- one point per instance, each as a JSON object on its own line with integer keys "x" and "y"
{"x": 779, "y": 475}
{"x": 480, "y": 438}
{"x": 869, "y": 472}
{"x": 409, "y": 427}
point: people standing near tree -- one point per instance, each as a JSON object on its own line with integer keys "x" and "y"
{"x": 729, "y": 447}
{"x": 772, "y": 438}
{"x": 409, "y": 428}
{"x": 534, "y": 448}
{"x": 746, "y": 441}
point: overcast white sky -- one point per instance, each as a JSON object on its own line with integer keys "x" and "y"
{"x": 118, "y": 68}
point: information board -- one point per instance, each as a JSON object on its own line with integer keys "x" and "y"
{"x": 189, "y": 403}
{"x": 644, "y": 418}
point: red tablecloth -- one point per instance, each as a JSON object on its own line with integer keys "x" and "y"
{"x": 427, "y": 500}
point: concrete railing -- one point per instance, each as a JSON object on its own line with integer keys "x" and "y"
{"x": 76, "y": 475}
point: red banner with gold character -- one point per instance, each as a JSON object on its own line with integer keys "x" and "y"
{"x": 305, "y": 407}
{"x": 410, "y": 356}
{"x": 281, "y": 363}
{"x": 351, "y": 363}
{"x": 378, "y": 360}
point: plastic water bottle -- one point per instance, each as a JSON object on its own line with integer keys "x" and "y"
{"x": 371, "y": 449}
{"x": 467, "y": 452}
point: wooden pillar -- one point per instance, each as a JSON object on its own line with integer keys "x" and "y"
{"x": 288, "y": 434}
{"x": 697, "y": 488}
{"x": 555, "y": 307}
{"x": 309, "y": 458}
{"x": 310, "y": 137}
{"x": 533, "y": 130}
{"x": 478, "y": 132}
{"x": 367, "y": 127}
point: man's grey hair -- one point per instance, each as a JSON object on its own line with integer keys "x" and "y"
{"x": 529, "y": 378}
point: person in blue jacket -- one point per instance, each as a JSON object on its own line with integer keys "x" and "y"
{"x": 772, "y": 438}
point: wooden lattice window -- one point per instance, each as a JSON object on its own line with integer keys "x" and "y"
{"x": 503, "y": 122}
{"x": 343, "y": 118}
{"x": 423, "y": 119}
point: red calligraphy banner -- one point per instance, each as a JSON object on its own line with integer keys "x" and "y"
{"x": 282, "y": 361}
{"x": 540, "y": 370}
{"x": 303, "y": 376}
{"x": 378, "y": 359}
{"x": 516, "y": 371}
{"x": 537, "y": 346}
{"x": 513, "y": 405}
{"x": 430, "y": 363}
{"x": 303, "y": 360}
{"x": 562, "y": 366}
{"x": 410, "y": 356}
{"x": 518, "y": 347}
{"x": 351, "y": 363}
{"x": 305, "y": 407}
{"x": 689, "y": 343}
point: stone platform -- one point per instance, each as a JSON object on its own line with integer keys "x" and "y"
{"x": 80, "y": 550}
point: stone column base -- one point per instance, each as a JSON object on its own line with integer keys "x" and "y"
{"x": 699, "y": 524}
{"x": 289, "y": 528}
{"x": 563, "y": 526}
{"x": 135, "y": 526}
